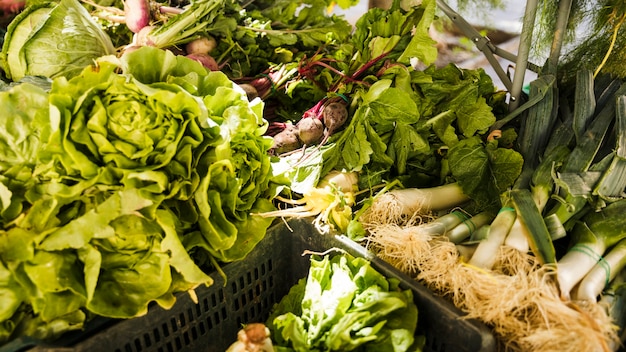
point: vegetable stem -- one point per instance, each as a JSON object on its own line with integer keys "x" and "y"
{"x": 602, "y": 273}
{"x": 486, "y": 253}
{"x": 465, "y": 229}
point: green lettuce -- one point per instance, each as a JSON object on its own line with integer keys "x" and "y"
{"x": 344, "y": 304}
{"x": 23, "y": 134}
{"x": 139, "y": 168}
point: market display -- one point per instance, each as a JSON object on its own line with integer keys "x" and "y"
{"x": 145, "y": 146}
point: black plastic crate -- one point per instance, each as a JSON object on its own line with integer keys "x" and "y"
{"x": 252, "y": 287}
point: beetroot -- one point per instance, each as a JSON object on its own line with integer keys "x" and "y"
{"x": 310, "y": 130}
{"x": 286, "y": 141}
{"x": 334, "y": 116}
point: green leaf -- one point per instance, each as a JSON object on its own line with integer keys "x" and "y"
{"x": 26, "y": 131}
{"x": 406, "y": 142}
{"x": 475, "y": 118}
{"x": 11, "y": 294}
{"x": 484, "y": 172}
{"x": 392, "y": 105}
{"x": 96, "y": 222}
{"x": 422, "y": 45}
{"x": 345, "y": 305}
{"x": 180, "y": 259}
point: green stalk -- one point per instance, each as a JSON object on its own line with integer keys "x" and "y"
{"x": 613, "y": 182}
{"x": 602, "y": 273}
{"x": 182, "y": 27}
{"x": 465, "y": 229}
{"x": 542, "y": 187}
{"x": 585, "y": 102}
{"x": 591, "y": 238}
{"x": 485, "y": 254}
{"x": 534, "y": 226}
{"x": 578, "y": 163}
{"x": 536, "y": 126}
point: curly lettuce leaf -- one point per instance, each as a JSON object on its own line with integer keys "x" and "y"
{"x": 344, "y": 304}
{"x": 26, "y": 131}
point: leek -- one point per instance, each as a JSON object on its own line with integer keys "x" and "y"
{"x": 614, "y": 300}
{"x": 585, "y": 105}
{"x": 537, "y": 232}
{"x": 613, "y": 182}
{"x": 579, "y": 161}
{"x": 465, "y": 229}
{"x": 602, "y": 273}
{"x": 485, "y": 254}
{"x": 591, "y": 237}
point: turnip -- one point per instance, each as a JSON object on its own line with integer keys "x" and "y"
{"x": 202, "y": 45}
{"x": 137, "y": 14}
{"x": 286, "y": 141}
{"x": 310, "y": 130}
{"x": 206, "y": 60}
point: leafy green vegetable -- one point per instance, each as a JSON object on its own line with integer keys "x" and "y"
{"x": 121, "y": 181}
{"x": 53, "y": 40}
{"x": 344, "y": 304}
{"x": 401, "y": 124}
{"x": 23, "y": 133}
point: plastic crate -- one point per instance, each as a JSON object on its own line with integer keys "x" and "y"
{"x": 252, "y": 287}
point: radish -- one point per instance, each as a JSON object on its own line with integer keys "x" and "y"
{"x": 12, "y": 6}
{"x": 334, "y": 116}
{"x": 142, "y": 37}
{"x": 137, "y": 13}
{"x": 206, "y": 60}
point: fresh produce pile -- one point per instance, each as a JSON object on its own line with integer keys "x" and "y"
{"x": 149, "y": 143}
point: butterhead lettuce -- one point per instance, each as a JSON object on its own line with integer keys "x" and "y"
{"x": 127, "y": 177}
